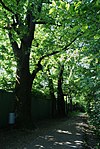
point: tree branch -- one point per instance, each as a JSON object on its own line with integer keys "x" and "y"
{"x": 16, "y": 49}
{"x": 4, "y": 6}
{"x": 44, "y": 22}
{"x": 63, "y": 49}
{"x": 39, "y": 66}
{"x": 14, "y": 17}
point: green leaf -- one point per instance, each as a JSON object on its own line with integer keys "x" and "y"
{"x": 52, "y": 10}
{"x": 67, "y": 6}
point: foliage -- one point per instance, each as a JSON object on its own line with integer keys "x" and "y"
{"x": 40, "y": 95}
{"x": 8, "y": 64}
{"x": 91, "y": 83}
{"x": 62, "y": 32}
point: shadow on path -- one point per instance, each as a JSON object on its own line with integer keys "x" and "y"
{"x": 51, "y": 134}
{"x": 67, "y": 134}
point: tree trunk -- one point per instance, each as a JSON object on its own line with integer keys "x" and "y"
{"x": 60, "y": 98}
{"x": 22, "y": 51}
{"x": 66, "y": 105}
{"x": 23, "y": 96}
{"x": 53, "y": 98}
{"x": 24, "y": 81}
{"x": 71, "y": 104}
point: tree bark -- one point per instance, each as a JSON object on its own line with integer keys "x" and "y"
{"x": 60, "y": 98}
{"x": 53, "y": 98}
{"x": 24, "y": 79}
{"x": 52, "y": 95}
{"x": 23, "y": 90}
{"x": 23, "y": 96}
{"x": 71, "y": 104}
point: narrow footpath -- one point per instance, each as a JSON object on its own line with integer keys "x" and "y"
{"x": 66, "y": 133}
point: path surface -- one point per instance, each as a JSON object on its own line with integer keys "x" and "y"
{"x": 51, "y": 134}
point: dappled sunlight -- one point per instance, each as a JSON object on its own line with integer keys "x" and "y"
{"x": 60, "y": 138}
{"x": 62, "y": 134}
{"x": 49, "y": 138}
{"x": 80, "y": 125}
{"x": 58, "y": 143}
{"x": 62, "y": 143}
{"x": 83, "y": 126}
{"x": 73, "y": 146}
{"x": 39, "y": 146}
{"x": 64, "y": 131}
{"x": 78, "y": 142}
{"x": 66, "y": 134}
{"x": 78, "y": 134}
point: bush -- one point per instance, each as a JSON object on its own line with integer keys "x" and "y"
{"x": 78, "y": 107}
{"x": 95, "y": 116}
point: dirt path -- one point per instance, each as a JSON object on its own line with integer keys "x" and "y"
{"x": 51, "y": 134}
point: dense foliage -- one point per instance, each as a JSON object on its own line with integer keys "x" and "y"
{"x": 44, "y": 35}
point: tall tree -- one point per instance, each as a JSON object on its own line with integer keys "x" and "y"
{"x": 60, "y": 96}
{"x": 21, "y": 28}
{"x": 52, "y": 95}
{"x": 21, "y": 19}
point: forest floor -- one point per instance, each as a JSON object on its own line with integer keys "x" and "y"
{"x": 66, "y": 133}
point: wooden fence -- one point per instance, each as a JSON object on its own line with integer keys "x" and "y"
{"x": 40, "y": 107}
